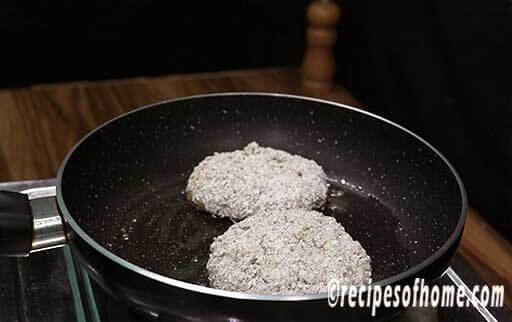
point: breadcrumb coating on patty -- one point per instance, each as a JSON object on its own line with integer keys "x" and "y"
{"x": 256, "y": 179}
{"x": 287, "y": 252}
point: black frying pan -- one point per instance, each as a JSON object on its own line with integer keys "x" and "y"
{"x": 120, "y": 191}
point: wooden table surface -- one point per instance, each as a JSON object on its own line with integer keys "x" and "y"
{"x": 39, "y": 125}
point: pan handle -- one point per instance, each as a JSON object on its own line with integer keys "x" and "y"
{"x": 29, "y": 222}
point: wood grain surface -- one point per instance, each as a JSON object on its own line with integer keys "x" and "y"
{"x": 488, "y": 253}
{"x": 40, "y": 124}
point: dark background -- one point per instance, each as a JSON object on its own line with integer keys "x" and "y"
{"x": 79, "y": 40}
{"x": 441, "y": 68}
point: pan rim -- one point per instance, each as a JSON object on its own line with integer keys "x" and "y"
{"x": 455, "y": 235}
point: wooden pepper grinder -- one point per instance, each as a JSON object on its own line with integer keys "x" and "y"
{"x": 318, "y": 67}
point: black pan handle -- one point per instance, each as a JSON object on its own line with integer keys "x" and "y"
{"x": 16, "y": 224}
{"x": 29, "y": 222}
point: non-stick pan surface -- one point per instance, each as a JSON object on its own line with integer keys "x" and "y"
{"x": 121, "y": 188}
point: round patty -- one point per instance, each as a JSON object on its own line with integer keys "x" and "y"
{"x": 288, "y": 252}
{"x": 256, "y": 179}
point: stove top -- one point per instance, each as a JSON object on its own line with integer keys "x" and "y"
{"x": 50, "y": 286}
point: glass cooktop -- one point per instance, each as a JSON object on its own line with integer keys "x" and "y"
{"x": 51, "y": 286}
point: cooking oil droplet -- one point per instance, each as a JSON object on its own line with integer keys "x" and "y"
{"x": 336, "y": 193}
{"x": 333, "y": 208}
